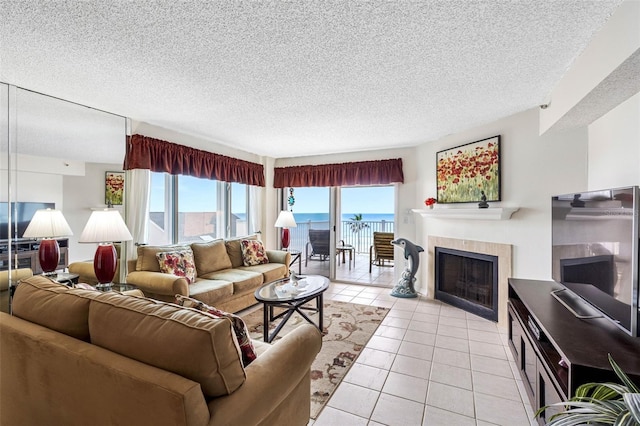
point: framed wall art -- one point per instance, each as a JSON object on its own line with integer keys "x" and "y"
{"x": 114, "y": 188}
{"x": 464, "y": 172}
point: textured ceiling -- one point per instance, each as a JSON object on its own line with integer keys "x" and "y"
{"x": 296, "y": 78}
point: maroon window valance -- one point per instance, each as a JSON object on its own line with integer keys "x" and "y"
{"x": 379, "y": 172}
{"x": 160, "y": 156}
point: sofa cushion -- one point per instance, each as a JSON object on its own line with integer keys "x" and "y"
{"x": 242, "y": 280}
{"x": 56, "y": 306}
{"x": 234, "y": 249}
{"x": 269, "y": 271}
{"x": 253, "y": 253}
{"x": 239, "y": 327}
{"x": 211, "y": 291}
{"x": 179, "y": 263}
{"x": 210, "y": 256}
{"x": 187, "y": 342}
{"x": 147, "y": 260}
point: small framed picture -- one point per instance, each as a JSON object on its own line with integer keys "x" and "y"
{"x": 470, "y": 172}
{"x": 114, "y": 188}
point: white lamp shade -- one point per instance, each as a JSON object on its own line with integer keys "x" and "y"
{"x": 285, "y": 220}
{"x": 105, "y": 226}
{"x": 47, "y": 223}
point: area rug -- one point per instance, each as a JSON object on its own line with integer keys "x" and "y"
{"x": 347, "y": 329}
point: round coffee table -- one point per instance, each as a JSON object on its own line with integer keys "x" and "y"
{"x": 281, "y": 294}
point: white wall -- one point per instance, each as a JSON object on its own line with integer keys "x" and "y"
{"x": 533, "y": 168}
{"x": 614, "y": 147}
{"x": 80, "y": 195}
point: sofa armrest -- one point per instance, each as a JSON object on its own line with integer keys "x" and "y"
{"x": 159, "y": 283}
{"x": 279, "y": 256}
{"x": 271, "y": 379}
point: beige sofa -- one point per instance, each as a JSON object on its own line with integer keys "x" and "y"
{"x": 221, "y": 278}
{"x": 16, "y": 276}
{"x": 81, "y": 357}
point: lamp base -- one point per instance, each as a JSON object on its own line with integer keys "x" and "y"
{"x": 285, "y": 238}
{"x": 104, "y": 264}
{"x": 49, "y": 255}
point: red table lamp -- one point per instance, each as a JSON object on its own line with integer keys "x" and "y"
{"x": 285, "y": 221}
{"x": 104, "y": 227}
{"x": 48, "y": 224}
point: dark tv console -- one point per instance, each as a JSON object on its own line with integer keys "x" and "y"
{"x": 25, "y": 254}
{"x": 556, "y": 351}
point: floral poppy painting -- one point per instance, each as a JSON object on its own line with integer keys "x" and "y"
{"x": 114, "y": 188}
{"x": 465, "y": 171}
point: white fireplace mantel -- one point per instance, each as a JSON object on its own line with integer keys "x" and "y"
{"x": 491, "y": 213}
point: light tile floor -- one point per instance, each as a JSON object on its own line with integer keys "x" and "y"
{"x": 427, "y": 364}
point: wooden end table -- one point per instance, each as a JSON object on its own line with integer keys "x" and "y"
{"x": 280, "y": 294}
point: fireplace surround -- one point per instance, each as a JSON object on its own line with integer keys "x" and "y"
{"x": 502, "y": 251}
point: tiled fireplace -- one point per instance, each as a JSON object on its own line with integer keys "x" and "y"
{"x": 484, "y": 252}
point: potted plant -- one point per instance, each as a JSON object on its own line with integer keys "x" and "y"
{"x": 600, "y": 404}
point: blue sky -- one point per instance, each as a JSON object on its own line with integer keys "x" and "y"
{"x": 199, "y": 195}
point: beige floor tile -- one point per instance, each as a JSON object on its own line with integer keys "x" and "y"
{"x": 404, "y": 386}
{"x": 449, "y": 357}
{"x": 382, "y": 303}
{"x": 354, "y": 399}
{"x": 491, "y": 384}
{"x": 361, "y": 300}
{"x": 451, "y": 398}
{"x": 422, "y": 317}
{"x": 482, "y": 325}
{"x": 366, "y": 376}
{"x": 487, "y": 349}
{"x": 498, "y": 367}
{"x": 420, "y": 337}
{"x": 390, "y": 332}
{"x": 450, "y": 375}
{"x": 453, "y": 343}
{"x": 500, "y": 411}
{"x": 450, "y": 311}
{"x": 486, "y": 337}
{"x": 453, "y": 322}
{"x": 332, "y": 417}
{"x": 411, "y": 366}
{"x": 416, "y": 350}
{"x": 434, "y": 416}
{"x": 342, "y": 298}
{"x": 397, "y": 313}
{"x": 451, "y": 331}
{"x": 384, "y": 344}
{"x": 394, "y": 411}
{"x": 396, "y": 322}
{"x": 425, "y": 327}
{"x": 376, "y": 358}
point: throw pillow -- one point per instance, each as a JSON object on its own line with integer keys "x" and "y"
{"x": 179, "y": 263}
{"x": 239, "y": 327}
{"x": 253, "y": 253}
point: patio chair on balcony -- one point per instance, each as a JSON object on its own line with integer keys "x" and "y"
{"x": 381, "y": 250}
{"x": 318, "y": 245}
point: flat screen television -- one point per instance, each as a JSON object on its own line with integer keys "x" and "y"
{"x": 595, "y": 239}
{"x": 22, "y": 213}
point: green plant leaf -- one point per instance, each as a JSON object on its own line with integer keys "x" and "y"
{"x": 623, "y": 377}
{"x": 633, "y": 402}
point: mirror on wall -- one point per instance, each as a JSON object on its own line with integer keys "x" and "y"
{"x": 54, "y": 152}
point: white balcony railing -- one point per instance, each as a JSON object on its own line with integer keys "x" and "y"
{"x": 361, "y": 240}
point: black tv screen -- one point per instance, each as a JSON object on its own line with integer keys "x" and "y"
{"x": 595, "y": 240}
{"x": 22, "y": 213}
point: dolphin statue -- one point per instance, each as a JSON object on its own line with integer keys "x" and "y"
{"x": 405, "y": 288}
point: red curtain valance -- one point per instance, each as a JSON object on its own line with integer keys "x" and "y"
{"x": 160, "y": 156}
{"x": 379, "y": 172}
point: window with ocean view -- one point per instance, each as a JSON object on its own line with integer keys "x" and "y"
{"x": 202, "y": 207}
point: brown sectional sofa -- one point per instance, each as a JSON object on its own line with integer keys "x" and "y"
{"x": 81, "y": 357}
{"x": 221, "y": 278}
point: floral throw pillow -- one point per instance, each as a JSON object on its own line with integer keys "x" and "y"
{"x": 239, "y": 327}
{"x": 253, "y": 253}
{"x": 179, "y": 263}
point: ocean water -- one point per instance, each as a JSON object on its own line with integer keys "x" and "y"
{"x": 324, "y": 217}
